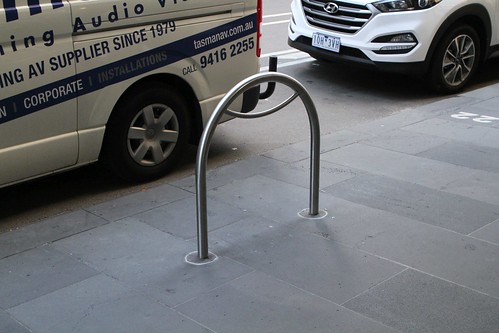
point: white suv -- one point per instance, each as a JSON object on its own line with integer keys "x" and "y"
{"x": 444, "y": 40}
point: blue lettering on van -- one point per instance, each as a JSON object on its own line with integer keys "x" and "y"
{"x": 12, "y": 14}
{"x": 3, "y": 111}
{"x": 162, "y": 3}
{"x": 98, "y": 78}
{"x": 117, "y": 13}
{"x": 34, "y": 7}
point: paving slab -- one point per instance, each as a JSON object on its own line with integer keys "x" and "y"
{"x": 306, "y": 261}
{"x": 488, "y": 233}
{"x": 464, "y": 130}
{"x": 488, "y": 104}
{"x": 266, "y": 197}
{"x": 50, "y": 230}
{"x": 405, "y": 167}
{"x": 468, "y": 155}
{"x": 142, "y": 201}
{"x": 301, "y": 150}
{"x": 37, "y": 272}
{"x": 402, "y": 302}
{"x": 405, "y": 141}
{"x": 228, "y": 173}
{"x": 298, "y": 173}
{"x": 180, "y": 219}
{"x": 8, "y": 324}
{"x": 446, "y": 210}
{"x": 464, "y": 260}
{"x": 479, "y": 185}
{"x": 150, "y": 260}
{"x": 100, "y": 304}
{"x": 259, "y": 303}
{"x": 401, "y": 119}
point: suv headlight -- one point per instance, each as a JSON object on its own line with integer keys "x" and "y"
{"x": 403, "y": 5}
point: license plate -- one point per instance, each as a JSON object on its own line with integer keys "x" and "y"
{"x": 326, "y": 42}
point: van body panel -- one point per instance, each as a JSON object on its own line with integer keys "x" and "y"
{"x": 44, "y": 132}
{"x": 65, "y": 64}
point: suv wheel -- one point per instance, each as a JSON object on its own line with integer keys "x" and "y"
{"x": 455, "y": 60}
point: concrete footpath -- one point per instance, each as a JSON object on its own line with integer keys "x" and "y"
{"x": 410, "y": 242}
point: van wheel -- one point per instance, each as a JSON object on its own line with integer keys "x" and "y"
{"x": 147, "y": 133}
{"x": 456, "y": 60}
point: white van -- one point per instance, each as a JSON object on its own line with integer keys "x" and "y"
{"x": 128, "y": 82}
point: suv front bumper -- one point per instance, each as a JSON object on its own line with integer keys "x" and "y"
{"x": 368, "y": 45}
{"x": 355, "y": 56}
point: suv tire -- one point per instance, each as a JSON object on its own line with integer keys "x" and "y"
{"x": 455, "y": 60}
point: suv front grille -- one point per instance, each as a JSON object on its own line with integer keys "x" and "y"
{"x": 350, "y": 17}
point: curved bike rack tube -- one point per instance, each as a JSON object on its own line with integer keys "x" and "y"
{"x": 222, "y": 107}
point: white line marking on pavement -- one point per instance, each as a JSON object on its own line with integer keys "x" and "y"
{"x": 276, "y": 15}
{"x": 278, "y": 53}
{"x": 276, "y": 22}
{"x": 288, "y": 64}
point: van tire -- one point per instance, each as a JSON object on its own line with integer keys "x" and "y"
{"x": 147, "y": 133}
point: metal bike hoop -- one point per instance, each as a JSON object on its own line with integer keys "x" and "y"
{"x": 222, "y": 107}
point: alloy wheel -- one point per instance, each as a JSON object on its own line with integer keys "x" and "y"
{"x": 459, "y": 59}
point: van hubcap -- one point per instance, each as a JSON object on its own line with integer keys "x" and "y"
{"x": 153, "y": 134}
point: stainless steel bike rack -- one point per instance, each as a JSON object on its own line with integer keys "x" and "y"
{"x": 203, "y": 256}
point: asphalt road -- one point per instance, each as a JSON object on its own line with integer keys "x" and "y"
{"x": 343, "y": 96}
